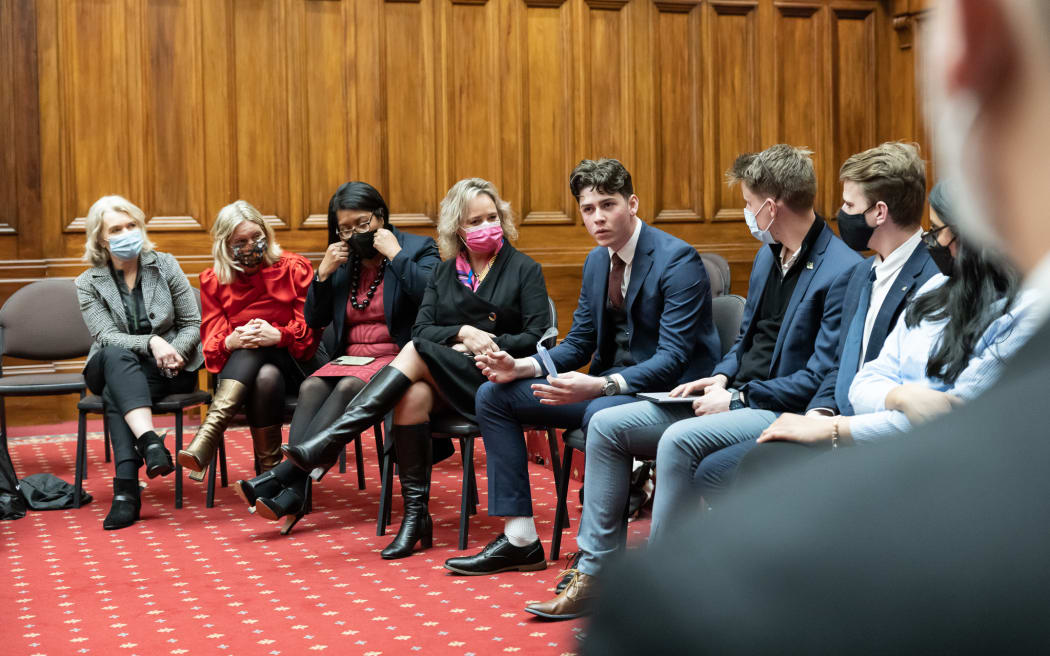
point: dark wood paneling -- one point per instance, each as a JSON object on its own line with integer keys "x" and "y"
{"x": 186, "y": 105}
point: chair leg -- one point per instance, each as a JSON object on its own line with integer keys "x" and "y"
{"x": 359, "y": 459}
{"x": 178, "y": 466}
{"x": 467, "y": 447}
{"x": 552, "y": 444}
{"x": 378, "y": 431}
{"x": 222, "y": 461}
{"x": 386, "y": 481}
{"x": 78, "y": 479}
{"x": 342, "y": 461}
{"x": 561, "y": 512}
{"x": 209, "y": 499}
{"x": 105, "y": 434}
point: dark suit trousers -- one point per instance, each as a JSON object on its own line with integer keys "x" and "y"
{"x": 126, "y": 382}
{"x": 502, "y": 410}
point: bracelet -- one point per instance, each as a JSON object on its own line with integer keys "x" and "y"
{"x": 835, "y": 433}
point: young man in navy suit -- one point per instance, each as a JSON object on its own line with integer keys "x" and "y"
{"x": 643, "y": 322}
{"x": 783, "y": 352}
{"x": 883, "y": 195}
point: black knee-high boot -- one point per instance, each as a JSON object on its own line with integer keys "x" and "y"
{"x": 377, "y": 398}
{"x": 415, "y": 452}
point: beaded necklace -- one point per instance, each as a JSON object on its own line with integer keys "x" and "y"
{"x": 355, "y": 277}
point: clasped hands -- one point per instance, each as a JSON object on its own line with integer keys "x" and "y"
{"x": 257, "y": 333}
{"x": 165, "y": 355}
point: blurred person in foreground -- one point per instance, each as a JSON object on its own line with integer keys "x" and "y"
{"x": 936, "y": 543}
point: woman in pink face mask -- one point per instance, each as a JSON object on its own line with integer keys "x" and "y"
{"x": 485, "y": 296}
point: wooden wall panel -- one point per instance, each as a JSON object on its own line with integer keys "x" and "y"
{"x": 548, "y": 98}
{"x": 733, "y": 127}
{"x": 187, "y": 105}
{"x": 407, "y": 73}
{"x": 679, "y": 173}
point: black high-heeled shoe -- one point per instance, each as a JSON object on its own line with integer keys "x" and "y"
{"x": 264, "y": 485}
{"x": 317, "y": 454}
{"x": 289, "y": 505}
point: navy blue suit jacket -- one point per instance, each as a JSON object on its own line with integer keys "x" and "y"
{"x": 669, "y": 324}
{"x": 806, "y": 341}
{"x": 404, "y": 283}
{"x": 916, "y": 271}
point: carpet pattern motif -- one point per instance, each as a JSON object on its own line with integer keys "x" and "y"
{"x": 221, "y": 581}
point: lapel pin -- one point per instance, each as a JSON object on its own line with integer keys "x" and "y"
{"x": 809, "y": 265}
{"x": 492, "y": 316}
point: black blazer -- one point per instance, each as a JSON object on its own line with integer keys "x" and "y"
{"x": 916, "y": 271}
{"x": 403, "y": 287}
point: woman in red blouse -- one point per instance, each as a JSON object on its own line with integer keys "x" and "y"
{"x": 253, "y": 334}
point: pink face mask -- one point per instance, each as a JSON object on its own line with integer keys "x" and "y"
{"x": 485, "y": 238}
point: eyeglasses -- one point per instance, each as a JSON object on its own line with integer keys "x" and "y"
{"x": 930, "y": 236}
{"x": 360, "y": 228}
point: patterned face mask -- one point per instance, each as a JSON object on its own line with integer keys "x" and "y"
{"x": 250, "y": 255}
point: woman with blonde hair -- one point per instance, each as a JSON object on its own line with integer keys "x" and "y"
{"x": 141, "y": 312}
{"x": 253, "y": 333}
{"x": 486, "y": 296}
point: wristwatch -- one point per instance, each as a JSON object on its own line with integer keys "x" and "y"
{"x": 610, "y": 387}
{"x": 737, "y": 399}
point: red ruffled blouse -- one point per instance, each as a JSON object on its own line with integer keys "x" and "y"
{"x": 275, "y": 293}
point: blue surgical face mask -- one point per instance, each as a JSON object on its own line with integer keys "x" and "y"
{"x": 127, "y": 245}
{"x": 752, "y": 223}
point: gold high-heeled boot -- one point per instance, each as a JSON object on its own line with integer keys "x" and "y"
{"x": 198, "y": 455}
{"x": 266, "y": 441}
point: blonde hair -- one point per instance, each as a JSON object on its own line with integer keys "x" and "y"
{"x": 226, "y": 222}
{"x": 894, "y": 173}
{"x": 95, "y": 253}
{"x": 454, "y": 207}
{"x": 780, "y": 172}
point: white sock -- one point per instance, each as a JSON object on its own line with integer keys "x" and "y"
{"x": 521, "y": 531}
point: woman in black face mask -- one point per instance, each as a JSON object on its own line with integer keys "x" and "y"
{"x": 253, "y": 334}
{"x": 366, "y": 291}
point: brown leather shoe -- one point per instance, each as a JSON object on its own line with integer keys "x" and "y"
{"x": 573, "y": 601}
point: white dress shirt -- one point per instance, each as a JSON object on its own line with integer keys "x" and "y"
{"x": 907, "y": 350}
{"x": 886, "y": 272}
{"x": 626, "y": 254}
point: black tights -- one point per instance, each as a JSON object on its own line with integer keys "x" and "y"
{"x": 321, "y": 402}
{"x": 267, "y": 373}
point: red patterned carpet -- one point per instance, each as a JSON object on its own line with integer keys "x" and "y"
{"x": 221, "y": 581}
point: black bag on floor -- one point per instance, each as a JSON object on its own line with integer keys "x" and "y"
{"x": 48, "y": 492}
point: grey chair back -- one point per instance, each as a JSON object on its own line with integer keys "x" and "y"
{"x": 42, "y": 321}
{"x": 718, "y": 272}
{"x": 551, "y": 342}
{"x": 728, "y": 311}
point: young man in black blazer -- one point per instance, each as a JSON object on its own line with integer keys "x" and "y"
{"x": 643, "y": 322}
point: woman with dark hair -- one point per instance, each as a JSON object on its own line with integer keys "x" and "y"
{"x": 486, "y": 296}
{"x": 368, "y": 287}
{"x": 949, "y": 345}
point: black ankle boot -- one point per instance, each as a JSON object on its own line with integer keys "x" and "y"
{"x": 290, "y": 505}
{"x": 152, "y": 451}
{"x": 378, "y": 397}
{"x": 414, "y": 448}
{"x": 127, "y": 502}
{"x": 269, "y": 484}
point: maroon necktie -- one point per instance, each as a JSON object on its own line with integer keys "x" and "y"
{"x": 616, "y": 282}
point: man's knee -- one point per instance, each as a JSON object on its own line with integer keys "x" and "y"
{"x": 490, "y": 396}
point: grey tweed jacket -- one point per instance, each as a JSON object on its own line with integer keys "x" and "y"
{"x": 169, "y": 300}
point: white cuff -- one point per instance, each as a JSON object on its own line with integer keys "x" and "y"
{"x": 621, "y": 383}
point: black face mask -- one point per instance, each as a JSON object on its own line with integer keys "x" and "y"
{"x": 855, "y": 230}
{"x": 362, "y": 243}
{"x": 250, "y": 256}
{"x": 942, "y": 257}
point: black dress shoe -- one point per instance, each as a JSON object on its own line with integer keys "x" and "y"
{"x": 500, "y": 556}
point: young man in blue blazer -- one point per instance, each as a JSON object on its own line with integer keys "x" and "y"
{"x": 643, "y": 322}
{"x": 783, "y": 352}
{"x": 883, "y": 195}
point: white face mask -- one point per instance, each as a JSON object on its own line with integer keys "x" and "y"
{"x": 752, "y": 223}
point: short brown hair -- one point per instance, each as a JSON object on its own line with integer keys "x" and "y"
{"x": 893, "y": 173}
{"x": 606, "y": 176}
{"x": 781, "y": 172}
